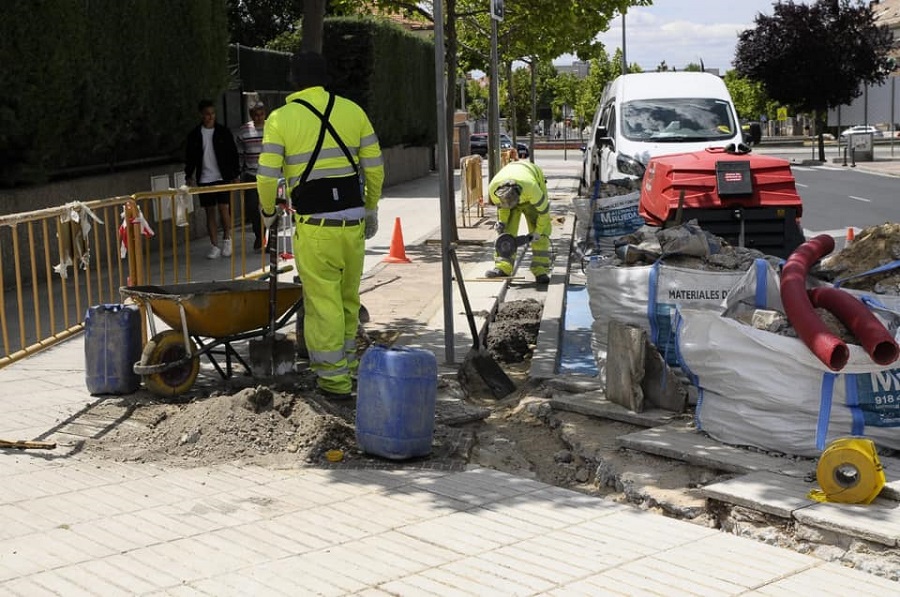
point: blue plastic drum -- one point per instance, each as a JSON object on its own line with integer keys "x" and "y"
{"x": 395, "y": 402}
{"x": 112, "y": 345}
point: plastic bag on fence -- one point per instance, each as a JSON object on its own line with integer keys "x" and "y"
{"x": 74, "y": 235}
{"x": 182, "y": 200}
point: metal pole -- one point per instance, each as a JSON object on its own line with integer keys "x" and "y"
{"x": 446, "y": 201}
{"x": 893, "y": 121}
{"x": 624, "y": 60}
{"x": 494, "y": 103}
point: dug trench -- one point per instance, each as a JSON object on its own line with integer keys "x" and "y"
{"x": 286, "y": 425}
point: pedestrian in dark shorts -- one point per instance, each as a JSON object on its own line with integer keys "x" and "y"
{"x": 211, "y": 159}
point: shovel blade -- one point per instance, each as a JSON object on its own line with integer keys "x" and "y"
{"x": 270, "y": 357}
{"x": 479, "y": 368}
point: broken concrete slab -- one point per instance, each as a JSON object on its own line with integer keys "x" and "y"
{"x": 767, "y": 492}
{"x": 661, "y": 386}
{"x": 878, "y": 522}
{"x": 595, "y": 404}
{"x": 625, "y": 365}
{"x": 891, "y": 489}
{"x": 574, "y": 383}
{"x": 688, "y": 444}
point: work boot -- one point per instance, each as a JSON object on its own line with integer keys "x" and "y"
{"x": 334, "y": 395}
{"x": 542, "y": 279}
{"x": 495, "y": 272}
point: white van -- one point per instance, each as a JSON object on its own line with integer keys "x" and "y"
{"x": 642, "y": 115}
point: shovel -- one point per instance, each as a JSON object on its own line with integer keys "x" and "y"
{"x": 273, "y": 354}
{"x": 478, "y": 359}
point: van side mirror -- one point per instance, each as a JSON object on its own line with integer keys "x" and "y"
{"x": 602, "y": 138}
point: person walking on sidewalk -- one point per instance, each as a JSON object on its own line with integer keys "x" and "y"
{"x": 520, "y": 189}
{"x": 212, "y": 159}
{"x": 249, "y": 145}
{"x": 325, "y": 147}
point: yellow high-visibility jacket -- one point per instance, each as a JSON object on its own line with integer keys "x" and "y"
{"x": 290, "y": 137}
{"x": 534, "y": 192}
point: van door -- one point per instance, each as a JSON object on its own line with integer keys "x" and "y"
{"x": 606, "y": 158}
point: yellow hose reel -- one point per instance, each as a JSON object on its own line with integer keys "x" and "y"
{"x": 849, "y": 472}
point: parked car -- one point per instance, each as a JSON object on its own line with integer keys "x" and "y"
{"x": 478, "y": 145}
{"x": 860, "y": 129}
{"x": 521, "y": 148}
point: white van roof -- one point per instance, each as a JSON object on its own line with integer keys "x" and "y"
{"x": 668, "y": 84}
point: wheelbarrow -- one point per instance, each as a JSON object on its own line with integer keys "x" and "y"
{"x": 206, "y": 318}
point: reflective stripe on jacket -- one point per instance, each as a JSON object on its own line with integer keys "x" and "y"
{"x": 290, "y": 137}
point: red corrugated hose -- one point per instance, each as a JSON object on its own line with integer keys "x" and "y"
{"x": 827, "y": 347}
{"x": 868, "y": 329}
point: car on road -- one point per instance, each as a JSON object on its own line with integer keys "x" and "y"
{"x": 860, "y": 129}
{"x": 478, "y": 145}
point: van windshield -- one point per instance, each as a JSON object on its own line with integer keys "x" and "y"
{"x": 677, "y": 119}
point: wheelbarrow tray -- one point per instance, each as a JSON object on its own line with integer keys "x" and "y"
{"x": 216, "y": 309}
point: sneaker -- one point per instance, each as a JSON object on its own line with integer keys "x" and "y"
{"x": 214, "y": 252}
{"x": 495, "y": 273}
{"x": 542, "y": 279}
{"x": 226, "y": 248}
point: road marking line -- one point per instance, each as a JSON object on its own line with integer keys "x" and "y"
{"x": 800, "y": 185}
{"x": 860, "y": 199}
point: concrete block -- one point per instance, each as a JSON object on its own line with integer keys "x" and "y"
{"x": 768, "y": 492}
{"x": 661, "y": 387}
{"x": 625, "y": 365}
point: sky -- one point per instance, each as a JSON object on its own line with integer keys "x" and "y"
{"x": 682, "y": 31}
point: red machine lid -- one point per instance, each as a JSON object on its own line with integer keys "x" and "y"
{"x": 771, "y": 183}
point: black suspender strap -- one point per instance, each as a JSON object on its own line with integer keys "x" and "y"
{"x": 326, "y": 125}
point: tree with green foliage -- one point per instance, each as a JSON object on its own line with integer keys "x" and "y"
{"x": 255, "y": 23}
{"x": 750, "y": 99}
{"x": 814, "y": 57}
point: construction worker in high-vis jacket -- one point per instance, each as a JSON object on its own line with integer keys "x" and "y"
{"x": 326, "y": 150}
{"x": 519, "y": 189}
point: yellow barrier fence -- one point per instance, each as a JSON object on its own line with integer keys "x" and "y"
{"x": 507, "y": 156}
{"x": 471, "y": 182}
{"x": 65, "y": 259}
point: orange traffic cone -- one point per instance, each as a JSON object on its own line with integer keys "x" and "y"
{"x": 398, "y": 252}
{"x": 851, "y": 233}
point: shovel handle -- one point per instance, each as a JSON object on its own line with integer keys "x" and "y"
{"x": 26, "y": 445}
{"x": 476, "y": 342}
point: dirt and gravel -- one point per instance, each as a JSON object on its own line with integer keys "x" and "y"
{"x": 286, "y": 424}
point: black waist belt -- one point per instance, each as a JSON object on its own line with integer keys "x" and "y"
{"x": 333, "y": 223}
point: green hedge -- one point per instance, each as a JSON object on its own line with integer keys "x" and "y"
{"x": 99, "y": 84}
{"x": 103, "y": 82}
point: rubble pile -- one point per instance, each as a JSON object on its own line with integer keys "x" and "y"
{"x": 871, "y": 248}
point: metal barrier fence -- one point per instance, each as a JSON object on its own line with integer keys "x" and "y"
{"x": 471, "y": 189}
{"x": 68, "y": 258}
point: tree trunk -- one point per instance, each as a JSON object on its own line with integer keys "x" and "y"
{"x": 821, "y": 116}
{"x": 512, "y": 104}
{"x": 313, "y": 23}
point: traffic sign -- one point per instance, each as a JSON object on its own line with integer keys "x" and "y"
{"x": 497, "y": 10}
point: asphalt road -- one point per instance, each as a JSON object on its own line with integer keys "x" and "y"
{"x": 836, "y": 197}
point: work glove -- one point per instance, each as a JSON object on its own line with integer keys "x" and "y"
{"x": 500, "y": 227}
{"x": 268, "y": 219}
{"x": 371, "y": 223}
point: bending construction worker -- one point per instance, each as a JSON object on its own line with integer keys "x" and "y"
{"x": 519, "y": 189}
{"x": 326, "y": 149}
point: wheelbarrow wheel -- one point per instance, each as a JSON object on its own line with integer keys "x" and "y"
{"x": 168, "y": 347}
